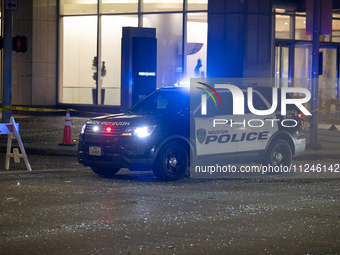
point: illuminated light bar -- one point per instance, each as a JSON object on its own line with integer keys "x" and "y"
{"x": 182, "y": 84}
{"x": 147, "y": 74}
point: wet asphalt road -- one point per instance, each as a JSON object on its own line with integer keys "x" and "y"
{"x": 64, "y": 208}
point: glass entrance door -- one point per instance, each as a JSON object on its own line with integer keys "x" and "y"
{"x": 328, "y": 82}
{"x": 281, "y": 65}
{"x": 303, "y": 65}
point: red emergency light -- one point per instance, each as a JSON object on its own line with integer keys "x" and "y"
{"x": 108, "y": 129}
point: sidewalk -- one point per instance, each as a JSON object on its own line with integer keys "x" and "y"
{"x": 328, "y": 139}
{"x": 43, "y": 134}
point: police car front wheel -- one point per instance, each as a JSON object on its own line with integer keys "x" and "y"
{"x": 171, "y": 163}
{"x": 278, "y": 154}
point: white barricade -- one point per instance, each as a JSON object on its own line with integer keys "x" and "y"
{"x": 12, "y": 130}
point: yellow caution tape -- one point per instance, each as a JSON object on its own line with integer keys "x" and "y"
{"x": 317, "y": 110}
{"x": 30, "y": 109}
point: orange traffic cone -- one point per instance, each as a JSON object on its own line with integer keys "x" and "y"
{"x": 67, "y": 139}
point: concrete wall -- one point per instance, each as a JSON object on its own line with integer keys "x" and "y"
{"x": 34, "y": 72}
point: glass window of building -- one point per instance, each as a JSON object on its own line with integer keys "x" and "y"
{"x": 78, "y": 7}
{"x": 335, "y": 30}
{"x": 77, "y": 57}
{"x": 196, "y": 48}
{"x": 282, "y": 26}
{"x": 280, "y": 10}
{"x": 300, "y": 29}
{"x": 118, "y": 6}
{"x": 84, "y": 23}
{"x": 111, "y": 54}
{"x": 197, "y": 5}
{"x": 162, "y": 5}
{"x": 169, "y": 38}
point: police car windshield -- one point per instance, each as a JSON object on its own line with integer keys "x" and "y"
{"x": 163, "y": 102}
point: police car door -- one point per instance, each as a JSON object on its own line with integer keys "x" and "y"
{"x": 254, "y": 131}
{"x": 214, "y": 134}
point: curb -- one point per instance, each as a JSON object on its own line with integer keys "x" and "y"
{"x": 314, "y": 155}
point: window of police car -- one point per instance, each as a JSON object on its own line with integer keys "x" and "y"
{"x": 164, "y": 102}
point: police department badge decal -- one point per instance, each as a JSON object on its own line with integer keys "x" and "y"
{"x": 201, "y": 134}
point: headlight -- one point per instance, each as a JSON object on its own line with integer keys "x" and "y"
{"x": 83, "y": 129}
{"x": 139, "y": 131}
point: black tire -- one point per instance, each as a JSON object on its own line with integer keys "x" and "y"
{"x": 171, "y": 163}
{"x": 106, "y": 171}
{"x": 278, "y": 154}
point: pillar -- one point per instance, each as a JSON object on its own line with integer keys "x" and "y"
{"x": 239, "y": 39}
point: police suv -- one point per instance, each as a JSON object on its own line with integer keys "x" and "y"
{"x": 171, "y": 127}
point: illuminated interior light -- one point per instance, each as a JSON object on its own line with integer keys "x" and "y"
{"x": 147, "y": 74}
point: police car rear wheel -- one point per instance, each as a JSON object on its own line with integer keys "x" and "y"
{"x": 106, "y": 171}
{"x": 278, "y": 154}
{"x": 171, "y": 163}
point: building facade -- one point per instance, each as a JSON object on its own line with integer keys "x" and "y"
{"x": 195, "y": 38}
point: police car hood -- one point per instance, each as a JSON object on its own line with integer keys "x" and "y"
{"x": 127, "y": 120}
